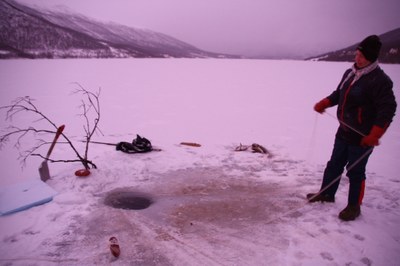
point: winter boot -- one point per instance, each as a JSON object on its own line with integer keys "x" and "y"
{"x": 314, "y": 197}
{"x": 350, "y": 213}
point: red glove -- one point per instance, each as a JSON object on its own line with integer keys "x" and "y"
{"x": 372, "y": 139}
{"x": 322, "y": 105}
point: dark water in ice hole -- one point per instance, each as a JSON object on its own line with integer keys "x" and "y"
{"x": 128, "y": 200}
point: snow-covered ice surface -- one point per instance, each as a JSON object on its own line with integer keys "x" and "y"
{"x": 211, "y": 205}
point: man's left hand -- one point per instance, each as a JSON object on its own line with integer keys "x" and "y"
{"x": 369, "y": 141}
{"x": 372, "y": 139}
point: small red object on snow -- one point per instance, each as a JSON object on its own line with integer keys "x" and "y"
{"x": 114, "y": 246}
{"x": 192, "y": 144}
{"x": 82, "y": 172}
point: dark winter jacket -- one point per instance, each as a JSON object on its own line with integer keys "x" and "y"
{"x": 369, "y": 101}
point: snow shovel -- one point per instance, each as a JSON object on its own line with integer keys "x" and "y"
{"x": 44, "y": 168}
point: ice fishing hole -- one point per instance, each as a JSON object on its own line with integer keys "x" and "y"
{"x": 128, "y": 200}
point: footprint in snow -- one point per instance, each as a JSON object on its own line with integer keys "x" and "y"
{"x": 326, "y": 256}
{"x": 366, "y": 261}
{"x": 359, "y": 237}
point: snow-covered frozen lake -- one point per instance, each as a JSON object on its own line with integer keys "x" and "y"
{"x": 213, "y": 206}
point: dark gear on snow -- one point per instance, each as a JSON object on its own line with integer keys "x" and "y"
{"x": 138, "y": 145}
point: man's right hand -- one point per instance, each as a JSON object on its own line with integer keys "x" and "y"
{"x": 322, "y": 105}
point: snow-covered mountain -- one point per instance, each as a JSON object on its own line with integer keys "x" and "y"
{"x": 390, "y": 51}
{"x": 32, "y": 33}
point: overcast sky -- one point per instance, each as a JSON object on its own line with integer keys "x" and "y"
{"x": 249, "y": 27}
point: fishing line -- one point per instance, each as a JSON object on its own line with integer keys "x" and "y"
{"x": 348, "y": 168}
{"x": 368, "y": 152}
{"x": 345, "y": 124}
{"x": 312, "y": 143}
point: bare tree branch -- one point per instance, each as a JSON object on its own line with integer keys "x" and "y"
{"x": 66, "y": 161}
{"x": 25, "y": 104}
{"x": 90, "y": 111}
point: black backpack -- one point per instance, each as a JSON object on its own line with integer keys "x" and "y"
{"x": 138, "y": 145}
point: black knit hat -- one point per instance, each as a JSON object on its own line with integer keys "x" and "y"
{"x": 370, "y": 47}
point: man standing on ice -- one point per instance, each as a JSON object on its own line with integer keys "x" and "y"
{"x": 366, "y": 107}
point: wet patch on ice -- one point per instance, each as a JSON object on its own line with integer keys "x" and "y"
{"x": 194, "y": 214}
{"x": 208, "y": 195}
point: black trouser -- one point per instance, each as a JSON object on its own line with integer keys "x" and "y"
{"x": 344, "y": 155}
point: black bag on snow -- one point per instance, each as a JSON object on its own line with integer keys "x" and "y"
{"x": 138, "y": 145}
